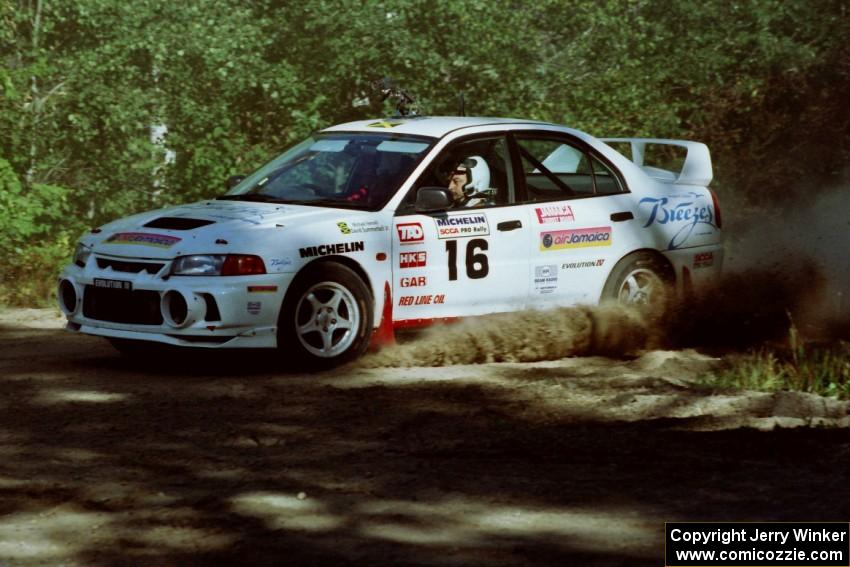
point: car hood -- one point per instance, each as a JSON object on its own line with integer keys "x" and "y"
{"x": 204, "y": 227}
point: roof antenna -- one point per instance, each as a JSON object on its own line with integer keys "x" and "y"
{"x": 404, "y": 103}
{"x": 462, "y": 105}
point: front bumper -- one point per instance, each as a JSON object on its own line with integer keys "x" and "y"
{"x": 221, "y": 311}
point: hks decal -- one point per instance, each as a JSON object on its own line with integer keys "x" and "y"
{"x": 412, "y": 259}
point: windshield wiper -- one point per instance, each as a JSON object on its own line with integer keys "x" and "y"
{"x": 259, "y": 197}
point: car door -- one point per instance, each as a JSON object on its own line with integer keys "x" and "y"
{"x": 464, "y": 261}
{"x": 574, "y": 202}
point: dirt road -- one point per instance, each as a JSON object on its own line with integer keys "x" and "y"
{"x": 226, "y": 458}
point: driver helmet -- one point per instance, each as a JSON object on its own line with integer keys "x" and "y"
{"x": 478, "y": 175}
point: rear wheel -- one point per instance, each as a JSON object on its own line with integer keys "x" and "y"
{"x": 639, "y": 279}
{"x": 326, "y": 317}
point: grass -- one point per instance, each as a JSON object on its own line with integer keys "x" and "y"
{"x": 823, "y": 370}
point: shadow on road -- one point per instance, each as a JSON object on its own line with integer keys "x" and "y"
{"x": 104, "y": 461}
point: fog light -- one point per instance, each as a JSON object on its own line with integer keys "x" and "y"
{"x": 180, "y": 309}
{"x": 69, "y": 299}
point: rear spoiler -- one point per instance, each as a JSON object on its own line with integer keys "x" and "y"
{"x": 695, "y": 171}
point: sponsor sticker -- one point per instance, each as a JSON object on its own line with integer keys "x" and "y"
{"x": 459, "y": 226}
{"x": 584, "y": 264}
{"x": 415, "y": 281}
{"x": 143, "y": 239}
{"x": 254, "y": 307}
{"x": 413, "y": 259}
{"x": 554, "y": 213}
{"x": 410, "y": 233}
{"x": 327, "y": 249}
{"x": 704, "y": 260}
{"x": 691, "y": 212}
{"x": 408, "y": 300}
{"x": 359, "y": 227}
{"x": 113, "y": 284}
{"x": 578, "y": 238}
{"x": 385, "y": 124}
{"x": 262, "y": 289}
{"x": 280, "y": 262}
{"x": 545, "y": 279}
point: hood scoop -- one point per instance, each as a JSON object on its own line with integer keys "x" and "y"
{"x": 178, "y": 223}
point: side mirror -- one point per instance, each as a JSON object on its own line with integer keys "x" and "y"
{"x": 233, "y": 181}
{"x": 430, "y": 199}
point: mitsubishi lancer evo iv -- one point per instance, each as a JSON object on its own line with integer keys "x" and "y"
{"x": 373, "y": 226}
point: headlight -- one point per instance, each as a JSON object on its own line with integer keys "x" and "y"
{"x": 81, "y": 254}
{"x": 218, "y": 265}
{"x": 198, "y": 265}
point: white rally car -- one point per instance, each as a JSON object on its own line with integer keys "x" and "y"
{"x": 354, "y": 233}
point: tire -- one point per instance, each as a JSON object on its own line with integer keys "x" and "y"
{"x": 326, "y": 318}
{"x": 640, "y": 279}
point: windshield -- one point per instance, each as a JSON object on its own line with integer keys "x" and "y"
{"x": 337, "y": 170}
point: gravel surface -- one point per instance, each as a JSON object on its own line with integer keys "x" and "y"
{"x": 198, "y": 458}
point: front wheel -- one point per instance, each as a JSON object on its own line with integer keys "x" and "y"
{"x": 326, "y": 318}
{"x": 640, "y": 280}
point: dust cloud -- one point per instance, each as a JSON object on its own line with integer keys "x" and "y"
{"x": 526, "y": 336}
{"x": 805, "y": 246}
{"x": 780, "y": 268}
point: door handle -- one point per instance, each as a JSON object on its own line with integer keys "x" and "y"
{"x": 509, "y": 225}
{"x": 625, "y": 215}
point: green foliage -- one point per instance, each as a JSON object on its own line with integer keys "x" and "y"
{"x": 36, "y": 238}
{"x": 824, "y": 371}
{"x": 84, "y": 85}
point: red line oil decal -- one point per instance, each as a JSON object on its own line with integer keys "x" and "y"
{"x": 143, "y": 239}
{"x": 579, "y": 238}
{"x": 430, "y": 299}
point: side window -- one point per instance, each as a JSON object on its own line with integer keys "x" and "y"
{"x": 555, "y": 170}
{"x": 476, "y": 171}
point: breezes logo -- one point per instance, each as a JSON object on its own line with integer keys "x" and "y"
{"x": 689, "y": 211}
{"x": 579, "y": 238}
{"x": 410, "y": 233}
